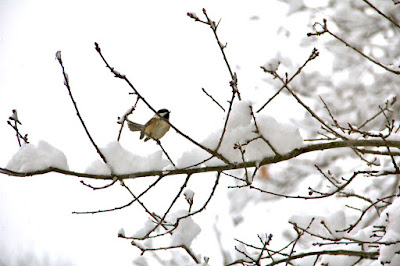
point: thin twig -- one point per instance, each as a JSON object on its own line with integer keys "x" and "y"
{"x": 170, "y": 207}
{"x": 121, "y": 120}
{"x": 299, "y": 235}
{"x": 312, "y": 56}
{"x": 66, "y": 83}
{"x": 313, "y": 114}
{"x": 123, "y": 77}
{"x": 125, "y": 205}
{"x": 212, "y": 98}
{"x": 234, "y": 80}
{"x": 18, "y": 134}
{"x": 166, "y": 154}
{"x": 202, "y": 208}
{"x": 102, "y": 187}
{"x": 320, "y": 196}
{"x": 381, "y": 110}
{"x": 326, "y": 30}
{"x": 396, "y": 167}
{"x": 13, "y": 121}
{"x": 352, "y": 226}
{"x": 222, "y": 47}
{"x": 137, "y": 199}
{"x": 382, "y": 14}
{"x": 188, "y": 250}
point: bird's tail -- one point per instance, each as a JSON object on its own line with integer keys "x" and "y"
{"x": 134, "y": 126}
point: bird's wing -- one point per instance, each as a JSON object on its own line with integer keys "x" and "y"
{"x": 145, "y": 128}
{"x": 134, "y": 126}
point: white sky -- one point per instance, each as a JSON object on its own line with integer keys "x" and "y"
{"x": 165, "y": 54}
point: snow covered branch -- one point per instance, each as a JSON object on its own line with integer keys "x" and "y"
{"x": 223, "y": 167}
{"x": 349, "y": 157}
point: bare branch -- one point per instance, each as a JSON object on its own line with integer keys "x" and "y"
{"x": 102, "y": 187}
{"x": 165, "y": 152}
{"x": 188, "y": 250}
{"x": 381, "y": 110}
{"x": 13, "y": 121}
{"x": 324, "y": 29}
{"x": 170, "y": 207}
{"x": 125, "y": 205}
{"x": 66, "y": 83}
{"x": 221, "y": 46}
{"x": 382, "y": 14}
{"x": 312, "y": 191}
{"x": 212, "y": 98}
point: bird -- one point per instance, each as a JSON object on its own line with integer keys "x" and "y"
{"x": 155, "y": 128}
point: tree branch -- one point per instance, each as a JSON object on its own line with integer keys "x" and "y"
{"x": 66, "y": 83}
{"x": 363, "y": 254}
{"x": 326, "y": 30}
{"x": 119, "y": 75}
{"x": 267, "y": 160}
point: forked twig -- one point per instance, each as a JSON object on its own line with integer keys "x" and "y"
{"x": 13, "y": 121}
{"x": 312, "y": 56}
{"x": 324, "y": 29}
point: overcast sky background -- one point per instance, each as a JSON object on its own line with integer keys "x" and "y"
{"x": 165, "y": 54}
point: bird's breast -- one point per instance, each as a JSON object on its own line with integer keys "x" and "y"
{"x": 157, "y": 130}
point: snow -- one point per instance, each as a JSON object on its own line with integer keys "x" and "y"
{"x": 123, "y": 161}
{"x": 38, "y": 157}
{"x": 121, "y": 232}
{"x": 147, "y": 227}
{"x": 98, "y": 167}
{"x": 388, "y": 252}
{"x": 244, "y": 254}
{"x": 189, "y": 194}
{"x": 127, "y": 112}
{"x": 14, "y": 116}
{"x": 272, "y": 65}
{"x": 391, "y": 219}
{"x": 241, "y": 130}
{"x": 58, "y": 55}
{"x": 295, "y": 6}
{"x": 24, "y": 65}
{"x": 324, "y": 226}
{"x": 186, "y": 231}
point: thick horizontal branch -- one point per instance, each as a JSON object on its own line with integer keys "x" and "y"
{"x": 372, "y": 255}
{"x": 353, "y": 253}
{"x": 268, "y": 160}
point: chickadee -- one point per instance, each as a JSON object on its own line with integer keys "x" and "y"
{"x": 155, "y": 128}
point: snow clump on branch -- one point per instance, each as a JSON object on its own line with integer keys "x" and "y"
{"x": 123, "y": 161}
{"x": 30, "y": 158}
{"x": 241, "y": 129}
